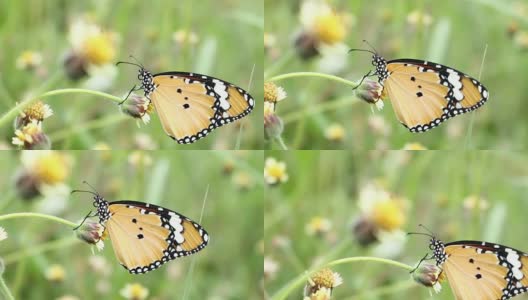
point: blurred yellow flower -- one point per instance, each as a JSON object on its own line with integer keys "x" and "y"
{"x": 269, "y": 40}
{"x": 319, "y": 19}
{"x": 273, "y": 93}
{"x": 242, "y": 180}
{"x": 99, "y": 49}
{"x": 29, "y": 60}
{"x": 3, "y": 234}
{"x": 275, "y": 171}
{"x": 418, "y": 18}
{"x": 388, "y": 214}
{"x": 52, "y": 168}
{"x": 521, "y": 39}
{"x": 321, "y": 283}
{"x": 269, "y": 109}
{"x": 335, "y": 133}
{"x": 385, "y": 210}
{"x": 139, "y": 159}
{"x": 100, "y": 265}
{"x": 89, "y": 40}
{"x": 183, "y": 36}
{"x": 474, "y": 202}
{"x": 134, "y": 291}
{"x": 414, "y": 146}
{"x": 55, "y": 273}
{"x": 330, "y": 28}
{"x": 318, "y": 225}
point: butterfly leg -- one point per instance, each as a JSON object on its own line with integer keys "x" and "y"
{"x": 87, "y": 216}
{"x": 365, "y": 76}
{"x": 133, "y": 89}
{"x": 420, "y": 262}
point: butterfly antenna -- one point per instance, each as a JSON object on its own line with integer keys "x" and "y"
{"x": 363, "y": 50}
{"x": 129, "y": 63}
{"x": 137, "y": 60}
{"x": 86, "y": 182}
{"x": 423, "y": 226}
{"x": 366, "y": 42}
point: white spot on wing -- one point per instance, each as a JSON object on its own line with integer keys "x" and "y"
{"x": 176, "y": 223}
{"x": 454, "y": 79}
{"x": 513, "y": 259}
{"x": 221, "y": 89}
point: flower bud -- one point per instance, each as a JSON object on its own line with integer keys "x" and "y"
{"x": 91, "y": 232}
{"x": 364, "y": 231}
{"x": 429, "y": 275}
{"x": 27, "y": 185}
{"x": 370, "y": 92}
{"x": 306, "y": 45}
{"x": 138, "y": 107}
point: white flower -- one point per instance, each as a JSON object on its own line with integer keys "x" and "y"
{"x": 391, "y": 244}
{"x": 3, "y": 234}
{"x": 55, "y": 198}
{"x": 333, "y": 59}
{"x": 101, "y": 78}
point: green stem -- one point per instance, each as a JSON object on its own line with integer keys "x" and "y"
{"x": 5, "y": 290}
{"x": 20, "y": 254}
{"x": 11, "y": 115}
{"x": 331, "y": 105}
{"x": 281, "y": 143}
{"x": 297, "y": 282}
{"x": 37, "y": 215}
{"x": 313, "y": 74}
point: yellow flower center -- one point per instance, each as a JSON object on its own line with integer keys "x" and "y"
{"x": 51, "y": 168}
{"x": 270, "y": 92}
{"x": 276, "y": 170}
{"x": 330, "y": 28}
{"x": 36, "y": 111}
{"x": 388, "y": 215}
{"x": 55, "y": 273}
{"x": 324, "y": 278}
{"x": 99, "y": 49}
{"x": 335, "y": 133}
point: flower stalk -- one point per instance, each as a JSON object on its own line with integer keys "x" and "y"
{"x": 8, "y": 117}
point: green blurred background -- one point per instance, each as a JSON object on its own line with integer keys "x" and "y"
{"x": 454, "y": 33}
{"x": 228, "y": 268}
{"x": 477, "y": 195}
{"x": 228, "y": 45}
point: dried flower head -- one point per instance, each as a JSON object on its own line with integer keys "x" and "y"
{"x": 429, "y": 275}
{"x": 138, "y": 107}
{"x": 273, "y": 93}
{"x": 31, "y": 137}
{"x": 37, "y": 111}
{"x": 92, "y": 232}
{"x": 321, "y": 284}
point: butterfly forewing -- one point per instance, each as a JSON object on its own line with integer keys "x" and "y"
{"x": 192, "y": 105}
{"x": 424, "y": 94}
{"x": 145, "y": 236}
{"x": 480, "y": 270}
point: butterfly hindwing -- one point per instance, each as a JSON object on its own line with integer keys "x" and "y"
{"x": 424, "y": 94}
{"x": 481, "y": 270}
{"x": 145, "y": 236}
{"x": 191, "y": 105}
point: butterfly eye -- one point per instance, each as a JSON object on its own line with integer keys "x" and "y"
{"x": 431, "y": 246}
{"x": 140, "y": 76}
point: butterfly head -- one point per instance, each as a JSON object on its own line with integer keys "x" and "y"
{"x": 381, "y": 66}
{"x": 145, "y": 77}
{"x": 438, "y": 248}
{"x": 102, "y": 208}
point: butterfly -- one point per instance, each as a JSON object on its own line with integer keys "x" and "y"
{"x": 481, "y": 270}
{"x": 191, "y": 105}
{"x": 424, "y": 94}
{"x": 145, "y": 236}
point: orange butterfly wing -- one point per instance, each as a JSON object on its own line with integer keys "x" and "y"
{"x": 485, "y": 271}
{"x": 191, "y": 105}
{"x": 145, "y": 236}
{"x": 425, "y": 94}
